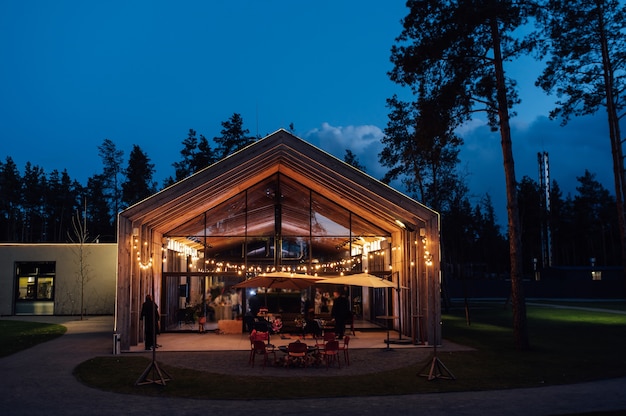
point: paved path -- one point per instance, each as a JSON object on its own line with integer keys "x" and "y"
{"x": 39, "y": 381}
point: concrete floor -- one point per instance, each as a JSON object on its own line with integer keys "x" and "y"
{"x": 211, "y": 341}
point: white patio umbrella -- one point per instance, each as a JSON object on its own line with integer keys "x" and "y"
{"x": 291, "y": 275}
{"x": 360, "y": 279}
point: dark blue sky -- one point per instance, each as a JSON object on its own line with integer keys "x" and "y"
{"x": 144, "y": 72}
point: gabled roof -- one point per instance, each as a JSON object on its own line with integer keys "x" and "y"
{"x": 280, "y": 152}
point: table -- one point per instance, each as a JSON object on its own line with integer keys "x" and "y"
{"x": 389, "y": 318}
{"x": 310, "y": 349}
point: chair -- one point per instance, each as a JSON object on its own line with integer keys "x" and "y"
{"x": 328, "y": 336}
{"x": 258, "y": 336}
{"x": 344, "y": 348}
{"x": 331, "y": 353}
{"x": 259, "y": 348}
{"x": 296, "y": 354}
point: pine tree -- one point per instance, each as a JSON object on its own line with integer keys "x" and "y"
{"x": 456, "y": 50}
{"x": 138, "y": 184}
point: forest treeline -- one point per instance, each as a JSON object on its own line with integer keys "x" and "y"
{"x": 39, "y": 207}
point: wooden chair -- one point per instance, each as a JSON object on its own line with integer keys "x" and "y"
{"x": 331, "y": 353}
{"x": 259, "y": 348}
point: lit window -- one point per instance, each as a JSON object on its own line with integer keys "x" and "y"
{"x": 35, "y": 281}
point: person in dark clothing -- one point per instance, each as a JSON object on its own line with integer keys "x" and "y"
{"x": 340, "y": 313}
{"x": 150, "y": 318}
{"x": 310, "y": 324}
{"x": 254, "y": 305}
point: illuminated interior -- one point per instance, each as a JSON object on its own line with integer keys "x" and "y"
{"x": 280, "y": 224}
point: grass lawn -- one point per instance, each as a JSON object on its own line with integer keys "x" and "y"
{"x": 568, "y": 346}
{"x": 18, "y": 335}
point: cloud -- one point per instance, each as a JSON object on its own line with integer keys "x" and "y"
{"x": 364, "y": 141}
{"x": 580, "y": 145}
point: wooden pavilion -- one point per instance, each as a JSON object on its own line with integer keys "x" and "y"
{"x": 278, "y": 204}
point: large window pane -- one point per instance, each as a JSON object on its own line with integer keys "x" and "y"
{"x": 329, "y": 218}
{"x": 261, "y": 201}
{"x": 44, "y": 288}
{"x": 295, "y": 209}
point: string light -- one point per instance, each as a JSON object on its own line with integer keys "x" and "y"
{"x": 428, "y": 257}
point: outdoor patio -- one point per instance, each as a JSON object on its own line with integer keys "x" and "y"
{"x": 211, "y": 341}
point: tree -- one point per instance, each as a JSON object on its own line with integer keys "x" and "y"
{"x": 196, "y": 155}
{"x": 462, "y": 45}
{"x": 80, "y": 237}
{"x": 531, "y": 221}
{"x": 204, "y": 156}
{"x": 421, "y": 149}
{"x": 98, "y": 212}
{"x": 490, "y": 245}
{"x": 138, "y": 184}
{"x": 33, "y": 187}
{"x": 10, "y": 189}
{"x": 586, "y": 69}
{"x": 61, "y": 200}
{"x": 112, "y": 162}
{"x": 560, "y": 223}
{"x": 185, "y": 167}
{"x": 351, "y": 159}
{"x": 591, "y": 213}
{"x": 234, "y": 137}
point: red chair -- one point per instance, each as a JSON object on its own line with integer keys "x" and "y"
{"x": 328, "y": 336}
{"x": 257, "y": 336}
{"x": 259, "y": 348}
{"x": 296, "y": 354}
{"x": 344, "y": 348}
{"x": 331, "y": 353}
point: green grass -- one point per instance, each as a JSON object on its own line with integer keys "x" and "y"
{"x": 18, "y": 335}
{"x": 568, "y": 346}
{"x": 596, "y": 304}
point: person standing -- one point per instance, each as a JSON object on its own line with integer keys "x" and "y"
{"x": 340, "y": 313}
{"x": 150, "y": 318}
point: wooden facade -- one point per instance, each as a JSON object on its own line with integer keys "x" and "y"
{"x": 145, "y": 229}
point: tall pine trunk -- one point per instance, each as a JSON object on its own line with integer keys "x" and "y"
{"x": 616, "y": 146}
{"x": 520, "y": 328}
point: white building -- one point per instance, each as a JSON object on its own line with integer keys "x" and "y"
{"x": 46, "y": 279}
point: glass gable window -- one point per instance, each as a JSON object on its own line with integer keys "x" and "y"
{"x": 280, "y": 223}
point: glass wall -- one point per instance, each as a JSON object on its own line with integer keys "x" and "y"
{"x": 278, "y": 224}
{"x": 281, "y": 224}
